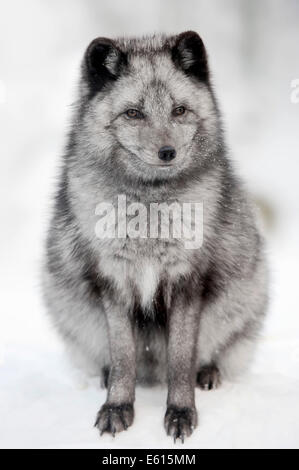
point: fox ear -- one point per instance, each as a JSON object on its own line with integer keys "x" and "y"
{"x": 190, "y": 55}
{"x": 102, "y": 62}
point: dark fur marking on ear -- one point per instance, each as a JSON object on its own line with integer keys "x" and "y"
{"x": 190, "y": 55}
{"x": 103, "y": 63}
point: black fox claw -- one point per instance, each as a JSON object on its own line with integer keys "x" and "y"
{"x": 180, "y": 422}
{"x": 114, "y": 418}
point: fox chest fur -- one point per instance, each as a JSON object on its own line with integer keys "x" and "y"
{"x": 139, "y": 267}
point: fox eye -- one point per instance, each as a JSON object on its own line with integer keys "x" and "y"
{"x": 179, "y": 111}
{"x": 134, "y": 114}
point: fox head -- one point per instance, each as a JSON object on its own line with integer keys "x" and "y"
{"x": 149, "y": 107}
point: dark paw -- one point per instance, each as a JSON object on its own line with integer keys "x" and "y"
{"x": 180, "y": 422}
{"x": 114, "y": 418}
{"x": 105, "y": 376}
{"x": 208, "y": 377}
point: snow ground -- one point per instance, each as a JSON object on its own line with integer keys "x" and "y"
{"x": 42, "y": 404}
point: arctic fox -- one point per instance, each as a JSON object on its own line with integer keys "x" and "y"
{"x": 150, "y": 309}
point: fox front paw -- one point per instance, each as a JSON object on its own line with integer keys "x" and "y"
{"x": 114, "y": 418}
{"x": 180, "y": 422}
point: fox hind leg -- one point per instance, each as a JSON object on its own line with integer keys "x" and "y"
{"x": 208, "y": 377}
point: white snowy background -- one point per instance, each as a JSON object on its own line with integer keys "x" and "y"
{"x": 254, "y": 52}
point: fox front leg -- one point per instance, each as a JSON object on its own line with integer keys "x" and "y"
{"x": 181, "y": 414}
{"x": 118, "y": 412}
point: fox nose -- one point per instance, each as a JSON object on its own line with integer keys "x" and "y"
{"x": 167, "y": 153}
